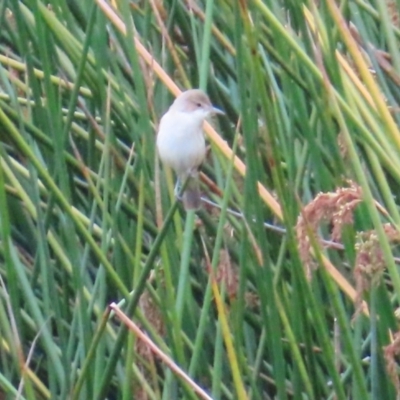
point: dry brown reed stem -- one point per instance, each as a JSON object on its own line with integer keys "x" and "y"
{"x": 365, "y": 73}
{"x": 146, "y": 360}
{"x": 157, "y": 351}
{"x": 159, "y": 10}
{"x": 218, "y": 141}
{"x": 382, "y": 57}
{"x": 347, "y": 68}
{"x": 215, "y": 31}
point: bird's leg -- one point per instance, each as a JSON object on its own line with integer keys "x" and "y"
{"x": 194, "y": 172}
{"x": 177, "y": 187}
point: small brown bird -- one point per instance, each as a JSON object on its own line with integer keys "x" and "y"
{"x": 181, "y": 144}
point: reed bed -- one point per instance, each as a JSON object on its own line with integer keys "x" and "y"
{"x": 288, "y": 287}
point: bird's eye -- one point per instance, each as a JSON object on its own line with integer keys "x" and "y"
{"x": 198, "y": 104}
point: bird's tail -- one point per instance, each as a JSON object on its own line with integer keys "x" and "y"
{"x": 191, "y": 197}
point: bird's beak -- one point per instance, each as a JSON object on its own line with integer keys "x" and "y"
{"x": 215, "y": 110}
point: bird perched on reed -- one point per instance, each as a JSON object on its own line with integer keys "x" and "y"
{"x": 181, "y": 144}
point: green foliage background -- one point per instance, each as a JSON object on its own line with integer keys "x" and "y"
{"x": 87, "y": 216}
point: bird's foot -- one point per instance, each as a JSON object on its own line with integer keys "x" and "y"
{"x": 177, "y": 188}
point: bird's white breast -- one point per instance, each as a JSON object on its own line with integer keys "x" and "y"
{"x": 180, "y": 141}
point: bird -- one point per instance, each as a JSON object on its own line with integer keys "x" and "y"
{"x": 181, "y": 143}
